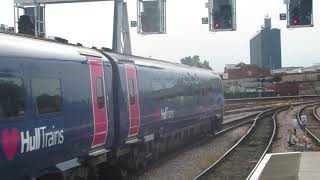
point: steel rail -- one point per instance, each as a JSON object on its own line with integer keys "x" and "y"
{"x": 308, "y": 131}
{"x": 226, "y": 127}
{"x": 274, "y": 118}
{"x": 259, "y": 107}
{"x": 237, "y": 123}
{"x": 315, "y": 114}
{"x": 220, "y": 160}
{"x": 272, "y": 98}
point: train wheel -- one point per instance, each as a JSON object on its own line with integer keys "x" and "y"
{"x": 56, "y": 176}
{"x": 112, "y": 172}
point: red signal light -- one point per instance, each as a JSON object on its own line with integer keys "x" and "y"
{"x": 296, "y": 21}
{"x": 217, "y": 25}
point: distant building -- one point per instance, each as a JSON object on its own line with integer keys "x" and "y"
{"x": 296, "y": 70}
{"x": 6, "y": 28}
{"x": 242, "y": 70}
{"x": 265, "y": 47}
{"x": 284, "y": 70}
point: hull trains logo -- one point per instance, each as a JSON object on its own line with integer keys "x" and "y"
{"x": 40, "y": 138}
{"x": 163, "y": 113}
{"x": 166, "y": 113}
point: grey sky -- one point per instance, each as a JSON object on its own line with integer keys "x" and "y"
{"x": 91, "y": 25}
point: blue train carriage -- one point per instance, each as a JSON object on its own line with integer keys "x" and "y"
{"x": 56, "y": 109}
{"x": 68, "y": 111}
{"x": 162, "y": 105}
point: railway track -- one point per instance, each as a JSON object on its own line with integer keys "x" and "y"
{"x": 235, "y": 105}
{"x": 313, "y": 125}
{"x": 240, "y": 161}
{"x": 303, "y": 98}
{"x": 258, "y": 146}
{"x": 228, "y": 126}
{"x": 315, "y": 112}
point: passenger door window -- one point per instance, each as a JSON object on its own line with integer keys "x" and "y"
{"x": 100, "y": 93}
{"x": 131, "y": 92}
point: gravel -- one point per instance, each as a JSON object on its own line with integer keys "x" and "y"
{"x": 190, "y": 163}
{"x": 284, "y": 122}
{"x": 254, "y": 107}
{"x": 236, "y": 116}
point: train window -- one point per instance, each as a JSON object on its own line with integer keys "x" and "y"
{"x": 131, "y": 92}
{"x": 11, "y": 97}
{"x": 100, "y": 93}
{"x": 47, "y": 93}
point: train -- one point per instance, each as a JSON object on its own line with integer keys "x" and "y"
{"x": 69, "y": 112}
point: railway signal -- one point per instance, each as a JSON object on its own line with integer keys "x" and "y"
{"x": 222, "y": 15}
{"x": 151, "y": 17}
{"x": 31, "y": 21}
{"x": 299, "y": 13}
{"x": 26, "y": 25}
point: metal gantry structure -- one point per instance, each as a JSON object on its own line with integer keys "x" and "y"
{"x": 36, "y": 8}
{"x": 151, "y": 17}
{"x": 149, "y": 21}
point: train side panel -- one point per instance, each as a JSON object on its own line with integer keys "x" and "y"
{"x": 176, "y": 105}
{"x": 172, "y": 99}
{"x": 52, "y": 122}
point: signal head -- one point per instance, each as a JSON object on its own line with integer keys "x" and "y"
{"x": 300, "y": 13}
{"x": 222, "y": 15}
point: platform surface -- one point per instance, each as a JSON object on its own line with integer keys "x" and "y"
{"x": 289, "y": 166}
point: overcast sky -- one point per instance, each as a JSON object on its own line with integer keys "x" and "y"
{"x": 91, "y": 24}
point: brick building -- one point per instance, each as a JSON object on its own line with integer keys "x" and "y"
{"x": 242, "y": 70}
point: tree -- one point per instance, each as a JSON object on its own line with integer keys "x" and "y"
{"x": 195, "y": 61}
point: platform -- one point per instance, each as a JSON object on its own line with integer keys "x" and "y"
{"x": 289, "y": 166}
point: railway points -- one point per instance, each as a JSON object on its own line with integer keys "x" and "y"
{"x": 234, "y": 106}
{"x": 284, "y": 122}
{"x": 312, "y": 126}
{"x": 179, "y": 170}
{"x": 295, "y": 161}
{"x": 316, "y": 112}
{"x": 301, "y": 161}
{"x": 236, "y": 116}
{"x": 239, "y": 161}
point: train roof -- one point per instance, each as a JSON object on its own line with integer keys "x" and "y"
{"x": 154, "y": 62}
{"x": 23, "y": 46}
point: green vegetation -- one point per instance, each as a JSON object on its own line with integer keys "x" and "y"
{"x": 196, "y": 62}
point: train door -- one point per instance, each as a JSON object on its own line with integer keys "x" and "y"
{"x": 99, "y": 108}
{"x": 133, "y": 100}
